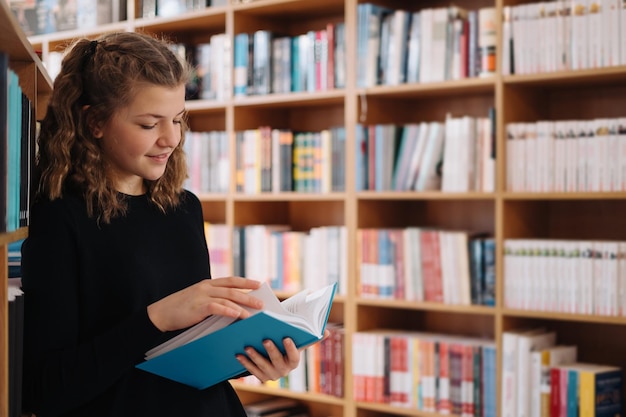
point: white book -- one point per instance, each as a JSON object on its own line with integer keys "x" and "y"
{"x": 511, "y": 172}
{"x": 549, "y": 28}
{"x": 602, "y": 171}
{"x": 510, "y": 370}
{"x": 428, "y": 178}
{"x": 517, "y": 31}
{"x": 416, "y": 272}
{"x": 571, "y": 248}
{"x": 611, "y": 179}
{"x": 611, "y": 10}
{"x": 426, "y": 46}
{"x": 526, "y": 343}
{"x": 531, "y": 152}
{"x": 439, "y": 44}
{"x": 467, "y": 152}
{"x": 535, "y": 36}
{"x": 397, "y": 48}
{"x": 622, "y": 35}
{"x": 580, "y": 42}
{"x": 508, "y": 270}
{"x": 461, "y": 240}
{"x": 448, "y": 267}
{"x": 417, "y": 156}
{"x": 414, "y": 49}
{"x": 560, "y": 147}
{"x": 621, "y": 265}
{"x": 586, "y": 277}
{"x": 507, "y": 40}
{"x": 571, "y": 159}
{"x": 563, "y": 36}
{"x": 452, "y": 153}
{"x": 612, "y": 278}
{"x": 621, "y": 146}
{"x": 582, "y": 162}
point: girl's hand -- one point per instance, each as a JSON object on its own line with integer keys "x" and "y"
{"x": 276, "y": 365}
{"x": 222, "y": 296}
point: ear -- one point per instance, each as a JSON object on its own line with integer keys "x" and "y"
{"x": 94, "y": 127}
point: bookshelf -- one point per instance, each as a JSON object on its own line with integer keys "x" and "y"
{"x": 36, "y": 84}
{"x": 581, "y": 94}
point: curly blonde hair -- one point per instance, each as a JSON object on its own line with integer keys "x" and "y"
{"x": 103, "y": 75}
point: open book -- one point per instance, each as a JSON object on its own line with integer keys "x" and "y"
{"x": 204, "y": 354}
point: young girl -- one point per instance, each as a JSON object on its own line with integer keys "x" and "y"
{"x": 116, "y": 260}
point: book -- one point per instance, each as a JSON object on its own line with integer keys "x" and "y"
{"x": 600, "y": 390}
{"x": 204, "y": 354}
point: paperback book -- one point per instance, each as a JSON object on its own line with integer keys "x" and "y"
{"x": 204, "y": 354}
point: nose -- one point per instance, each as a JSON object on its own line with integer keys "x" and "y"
{"x": 170, "y": 135}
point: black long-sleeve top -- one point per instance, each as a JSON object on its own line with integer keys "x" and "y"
{"x": 87, "y": 286}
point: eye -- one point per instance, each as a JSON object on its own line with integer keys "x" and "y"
{"x": 148, "y": 127}
{"x": 177, "y": 122}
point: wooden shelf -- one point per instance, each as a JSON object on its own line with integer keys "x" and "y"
{"x": 583, "y": 94}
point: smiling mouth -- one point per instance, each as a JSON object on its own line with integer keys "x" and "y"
{"x": 160, "y": 158}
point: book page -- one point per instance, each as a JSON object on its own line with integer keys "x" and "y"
{"x": 311, "y": 307}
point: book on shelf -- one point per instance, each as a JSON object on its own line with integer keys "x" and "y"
{"x": 205, "y": 354}
{"x": 586, "y": 390}
{"x": 511, "y": 368}
{"x": 541, "y": 363}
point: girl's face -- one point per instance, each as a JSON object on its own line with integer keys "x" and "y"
{"x": 139, "y": 139}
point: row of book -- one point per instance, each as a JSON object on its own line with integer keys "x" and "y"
{"x": 268, "y": 62}
{"x": 212, "y": 64}
{"x": 48, "y": 16}
{"x": 278, "y": 160}
{"x": 321, "y": 368}
{"x": 457, "y": 155}
{"x": 544, "y": 378}
{"x": 567, "y": 155}
{"x": 430, "y": 372}
{"x": 563, "y": 35}
{"x": 568, "y": 276}
{"x": 396, "y": 46}
{"x": 420, "y": 264}
{"x": 15, "y": 297}
{"x": 17, "y": 141}
{"x": 207, "y": 161}
{"x": 291, "y": 260}
{"x": 169, "y": 8}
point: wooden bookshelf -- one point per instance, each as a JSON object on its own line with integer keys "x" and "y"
{"x": 36, "y": 84}
{"x": 581, "y": 94}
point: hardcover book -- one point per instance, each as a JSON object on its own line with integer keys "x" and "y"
{"x": 204, "y": 355}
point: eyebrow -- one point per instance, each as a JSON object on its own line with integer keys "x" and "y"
{"x": 158, "y": 116}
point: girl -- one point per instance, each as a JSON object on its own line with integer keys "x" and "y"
{"x": 116, "y": 260}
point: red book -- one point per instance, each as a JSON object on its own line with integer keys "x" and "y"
{"x": 431, "y": 266}
{"x": 330, "y": 39}
{"x": 555, "y": 392}
{"x": 444, "y": 405}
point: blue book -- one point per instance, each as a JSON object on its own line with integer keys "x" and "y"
{"x": 240, "y": 66}
{"x": 204, "y": 354}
